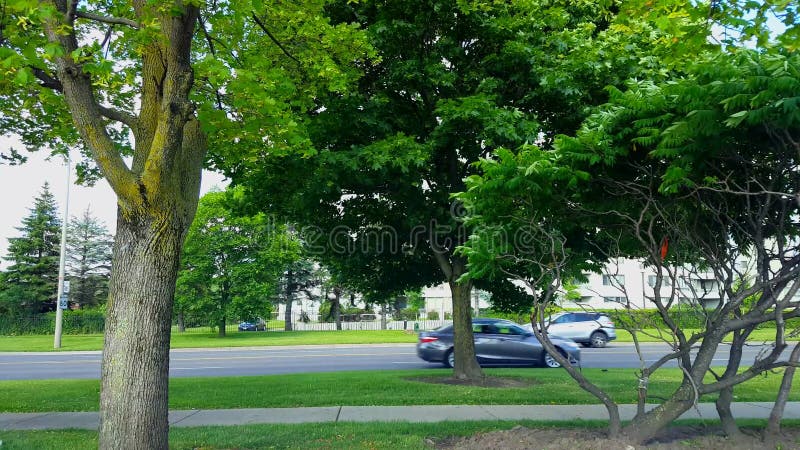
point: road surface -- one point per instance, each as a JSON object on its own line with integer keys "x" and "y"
{"x": 301, "y": 359}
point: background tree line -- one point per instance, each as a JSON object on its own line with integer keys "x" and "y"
{"x": 28, "y": 284}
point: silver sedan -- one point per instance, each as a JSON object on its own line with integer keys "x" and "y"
{"x": 497, "y": 342}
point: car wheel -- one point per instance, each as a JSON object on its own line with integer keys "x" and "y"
{"x": 450, "y": 359}
{"x": 599, "y": 339}
{"x": 551, "y": 362}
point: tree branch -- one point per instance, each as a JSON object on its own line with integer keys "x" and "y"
{"x": 107, "y": 19}
{"x": 274, "y": 39}
{"x": 47, "y": 80}
{"x": 81, "y": 100}
{"x": 120, "y": 116}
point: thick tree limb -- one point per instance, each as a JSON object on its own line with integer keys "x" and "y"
{"x": 80, "y": 98}
{"x": 47, "y": 80}
{"x": 117, "y": 115}
{"x": 107, "y": 19}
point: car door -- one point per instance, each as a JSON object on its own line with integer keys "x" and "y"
{"x": 564, "y": 326}
{"x": 584, "y": 325}
{"x": 509, "y": 345}
{"x": 483, "y": 335}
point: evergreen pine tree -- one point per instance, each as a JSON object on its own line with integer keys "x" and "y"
{"x": 33, "y": 274}
{"x": 88, "y": 260}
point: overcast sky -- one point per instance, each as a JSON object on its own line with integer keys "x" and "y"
{"x": 19, "y": 185}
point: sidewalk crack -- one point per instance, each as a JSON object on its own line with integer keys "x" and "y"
{"x": 489, "y": 412}
{"x": 185, "y": 417}
{"x": 339, "y": 412}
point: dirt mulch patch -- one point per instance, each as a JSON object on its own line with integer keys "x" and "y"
{"x": 487, "y": 382}
{"x": 674, "y": 438}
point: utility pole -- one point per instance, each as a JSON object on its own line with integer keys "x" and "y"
{"x": 61, "y": 263}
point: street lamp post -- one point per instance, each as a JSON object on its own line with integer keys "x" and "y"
{"x": 61, "y": 263}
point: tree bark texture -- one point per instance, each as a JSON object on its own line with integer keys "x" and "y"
{"x": 135, "y": 369}
{"x": 648, "y": 425}
{"x": 466, "y": 366}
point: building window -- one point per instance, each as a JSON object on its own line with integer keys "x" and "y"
{"x": 614, "y": 300}
{"x": 665, "y": 281}
{"x": 585, "y": 299}
{"x": 613, "y": 280}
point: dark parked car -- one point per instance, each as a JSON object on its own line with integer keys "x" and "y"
{"x": 588, "y": 328}
{"x": 497, "y": 342}
{"x": 253, "y": 326}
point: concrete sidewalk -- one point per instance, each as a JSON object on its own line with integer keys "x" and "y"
{"x": 206, "y": 417}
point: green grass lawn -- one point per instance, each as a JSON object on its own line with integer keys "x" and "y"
{"x": 324, "y": 435}
{"x": 367, "y": 388}
{"x": 44, "y": 343}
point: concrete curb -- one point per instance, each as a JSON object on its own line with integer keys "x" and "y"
{"x": 414, "y": 414}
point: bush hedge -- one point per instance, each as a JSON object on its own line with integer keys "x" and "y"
{"x": 645, "y": 318}
{"x": 82, "y": 321}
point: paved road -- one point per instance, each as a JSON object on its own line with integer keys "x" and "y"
{"x": 280, "y": 360}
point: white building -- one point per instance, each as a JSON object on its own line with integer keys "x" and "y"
{"x": 628, "y": 283}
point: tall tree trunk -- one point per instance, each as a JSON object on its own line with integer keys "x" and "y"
{"x": 774, "y": 424}
{"x": 337, "y": 310}
{"x": 221, "y": 324}
{"x": 287, "y": 313}
{"x": 466, "y": 366}
{"x": 135, "y": 369}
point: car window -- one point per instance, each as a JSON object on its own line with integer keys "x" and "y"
{"x": 508, "y": 328}
{"x": 566, "y": 318}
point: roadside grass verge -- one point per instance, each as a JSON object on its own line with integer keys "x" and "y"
{"x": 325, "y": 435}
{"x": 44, "y": 343}
{"x": 367, "y": 388}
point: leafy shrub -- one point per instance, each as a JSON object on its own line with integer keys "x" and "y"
{"x": 82, "y": 321}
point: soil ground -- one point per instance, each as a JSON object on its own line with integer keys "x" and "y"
{"x": 679, "y": 437}
{"x": 552, "y": 438}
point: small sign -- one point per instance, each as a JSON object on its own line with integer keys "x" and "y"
{"x": 63, "y": 302}
{"x": 66, "y": 286}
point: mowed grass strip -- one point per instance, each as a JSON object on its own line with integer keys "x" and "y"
{"x": 323, "y": 435}
{"x": 44, "y": 343}
{"x": 319, "y": 435}
{"x": 366, "y": 388}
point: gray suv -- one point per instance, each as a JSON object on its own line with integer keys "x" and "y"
{"x": 587, "y": 328}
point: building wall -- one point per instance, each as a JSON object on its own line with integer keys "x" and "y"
{"x": 628, "y": 283}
